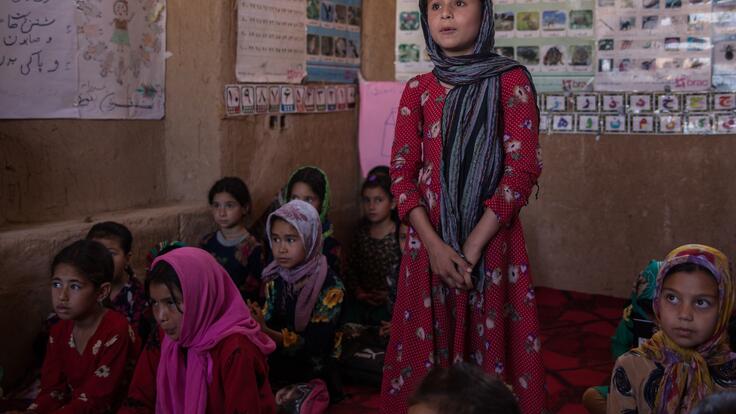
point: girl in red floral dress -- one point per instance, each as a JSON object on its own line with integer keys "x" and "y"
{"x": 464, "y": 161}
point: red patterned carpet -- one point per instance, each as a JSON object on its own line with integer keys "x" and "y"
{"x": 576, "y": 331}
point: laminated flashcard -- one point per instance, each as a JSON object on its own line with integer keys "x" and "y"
{"x": 543, "y": 123}
{"x": 613, "y": 103}
{"x": 640, "y": 102}
{"x": 342, "y": 98}
{"x": 232, "y": 99}
{"x": 261, "y": 99}
{"x": 299, "y": 97}
{"x": 555, "y": 103}
{"x": 310, "y": 99}
{"x": 586, "y": 103}
{"x": 670, "y": 124}
{"x": 588, "y": 123}
{"x": 351, "y": 97}
{"x": 726, "y": 123}
{"x": 288, "y": 103}
{"x": 615, "y": 123}
{"x": 274, "y": 99}
{"x": 321, "y": 99}
{"x": 563, "y": 123}
{"x": 697, "y": 102}
{"x": 247, "y": 99}
{"x": 668, "y": 102}
{"x": 723, "y": 102}
{"x": 699, "y": 124}
{"x": 642, "y": 124}
{"x": 331, "y": 99}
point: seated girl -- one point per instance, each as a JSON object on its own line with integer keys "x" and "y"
{"x": 309, "y": 184}
{"x": 689, "y": 357}
{"x": 212, "y": 358}
{"x": 303, "y": 298}
{"x": 239, "y": 252}
{"x": 126, "y": 292}
{"x": 374, "y": 256}
{"x": 90, "y": 349}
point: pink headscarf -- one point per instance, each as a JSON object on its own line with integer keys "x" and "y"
{"x": 213, "y": 310}
{"x": 305, "y": 220}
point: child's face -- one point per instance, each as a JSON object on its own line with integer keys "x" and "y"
{"x": 302, "y": 191}
{"x": 286, "y": 245}
{"x": 168, "y": 309}
{"x": 421, "y": 408}
{"x": 454, "y": 25}
{"x": 688, "y": 307}
{"x": 403, "y": 234}
{"x": 73, "y": 295}
{"x": 227, "y": 211}
{"x": 120, "y": 9}
{"x": 119, "y": 258}
{"x": 377, "y": 205}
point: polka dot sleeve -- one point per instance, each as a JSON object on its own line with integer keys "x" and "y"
{"x": 523, "y": 162}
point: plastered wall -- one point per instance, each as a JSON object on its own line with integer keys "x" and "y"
{"x": 606, "y": 205}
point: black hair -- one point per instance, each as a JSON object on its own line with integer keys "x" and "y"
{"x": 686, "y": 268}
{"x": 112, "y": 230}
{"x": 233, "y": 186}
{"x": 164, "y": 274}
{"x": 379, "y": 170}
{"x": 312, "y": 177}
{"x": 718, "y": 403}
{"x": 90, "y": 258}
{"x": 464, "y": 389}
{"x": 382, "y": 181}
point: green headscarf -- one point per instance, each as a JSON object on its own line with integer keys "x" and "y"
{"x": 284, "y": 198}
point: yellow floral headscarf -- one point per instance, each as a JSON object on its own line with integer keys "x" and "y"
{"x": 687, "y": 378}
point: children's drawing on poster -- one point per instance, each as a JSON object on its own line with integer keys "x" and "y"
{"x": 379, "y": 103}
{"x": 122, "y": 52}
{"x": 271, "y": 39}
{"x": 411, "y": 51}
{"x": 38, "y": 65}
{"x": 653, "y": 45}
{"x": 333, "y": 40}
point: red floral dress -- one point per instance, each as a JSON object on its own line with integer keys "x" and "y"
{"x": 433, "y": 325}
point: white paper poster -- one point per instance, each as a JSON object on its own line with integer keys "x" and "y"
{"x": 82, "y": 59}
{"x": 653, "y": 45}
{"x": 271, "y": 41}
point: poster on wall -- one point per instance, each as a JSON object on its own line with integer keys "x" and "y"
{"x": 95, "y": 60}
{"x": 653, "y": 45}
{"x": 271, "y": 39}
{"x": 333, "y": 40}
{"x": 411, "y": 51}
{"x": 553, "y": 39}
{"x": 379, "y": 105}
{"x": 724, "y": 45}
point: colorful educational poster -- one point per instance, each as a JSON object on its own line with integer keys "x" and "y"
{"x": 271, "y": 39}
{"x": 379, "y": 106}
{"x": 95, "y": 60}
{"x": 411, "y": 51}
{"x": 553, "y": 39}
{"x": 653, "y": 45}
{"x": 724, "y": 45}
{"x": 333, "y": 40}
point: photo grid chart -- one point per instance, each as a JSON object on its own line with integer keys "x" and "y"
{"x": 638, "y": 113}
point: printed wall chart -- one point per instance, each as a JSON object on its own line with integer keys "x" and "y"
{"x": 333, "y": 40}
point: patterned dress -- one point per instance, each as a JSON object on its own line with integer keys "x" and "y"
{"x": 131, "y": 301}
{"x": 304, "y": 355}
{"x": 93, "y": 381}
{"x": 497, "y": 329}
{"x": 243, "y": 259}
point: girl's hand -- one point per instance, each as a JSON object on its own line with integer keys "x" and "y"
{"x": 449, "y": 265}
{"x": 385, "y": 328}
{"x": 473, "y": 251}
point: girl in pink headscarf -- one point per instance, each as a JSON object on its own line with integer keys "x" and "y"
{"x": 303, "y": 298}
{"x": 213, "y": 356}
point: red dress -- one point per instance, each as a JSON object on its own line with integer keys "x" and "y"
{"x": 433, "y": 325}
{"x": 239, "y": 381}
{"x": 95, "y": 380}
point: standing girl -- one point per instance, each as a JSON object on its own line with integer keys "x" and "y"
{"x": 213, "y": 355}
{"x": 239, "y": 252}
{"x": 374, "y": 256}
{"x": 690, "y": 357}
{"x": 89, "y": 350}
{"x": 303, "y": 298}
{"x": 464, "y": 161}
